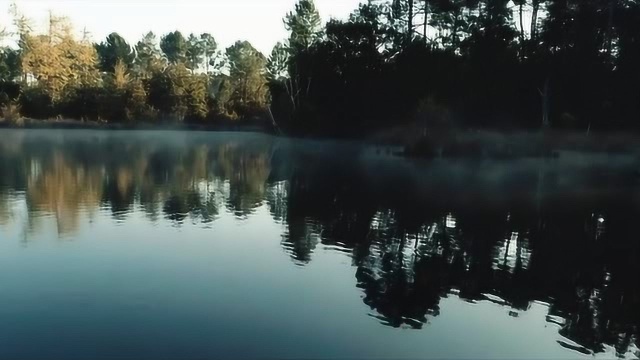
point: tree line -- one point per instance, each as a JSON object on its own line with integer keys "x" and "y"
{"x": 441, "y": 63}
{"x": 172, "y": 78}
{"x": 471, "y": 63}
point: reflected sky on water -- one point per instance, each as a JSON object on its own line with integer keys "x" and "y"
{"x": 190, "y": 244}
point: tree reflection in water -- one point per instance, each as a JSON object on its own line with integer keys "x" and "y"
{"x": 563, "y": 233}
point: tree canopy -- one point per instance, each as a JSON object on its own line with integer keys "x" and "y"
{"x": 175, "y": 47}
{"x": 475, "y": 63}
{"x": 115, "y": 48}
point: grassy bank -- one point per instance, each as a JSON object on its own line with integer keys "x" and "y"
{"x": 27, "y": 123}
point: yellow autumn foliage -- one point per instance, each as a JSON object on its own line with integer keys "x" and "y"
{"x": 57, "y": 60}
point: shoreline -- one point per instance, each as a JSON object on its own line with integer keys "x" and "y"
{"x": 410, "y": 143}
{"x": 95, "y": 125}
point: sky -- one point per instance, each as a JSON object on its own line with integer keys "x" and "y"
{"x": 258, "y": 21}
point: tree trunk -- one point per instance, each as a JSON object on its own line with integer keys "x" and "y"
{"x": 610, "y": 30}
{"x": 426, "y": 19}
{"x": 545, "y": 105}
{"x": 50, "y": 27}
{"x": 454, "y": 31}
{"x": 534, "y": 19}
{"x": 522, "y": 44}
{"x": 410, "y": 21}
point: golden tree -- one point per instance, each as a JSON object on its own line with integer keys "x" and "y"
{"x": 57, "y": 61}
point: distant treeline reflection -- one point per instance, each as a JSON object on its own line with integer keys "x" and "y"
{"x": 415, "y": 235}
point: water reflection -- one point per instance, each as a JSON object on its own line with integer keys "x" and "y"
{"x": 561, "y": 232}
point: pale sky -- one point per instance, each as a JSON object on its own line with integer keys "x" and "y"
{"x": 259, "y": 21}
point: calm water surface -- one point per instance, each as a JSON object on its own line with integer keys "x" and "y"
{"x": 197, "y": 245}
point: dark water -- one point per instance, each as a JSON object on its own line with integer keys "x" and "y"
{"x": 198, "y": 245}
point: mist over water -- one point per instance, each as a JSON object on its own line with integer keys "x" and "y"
{"x": 162, "y": 244}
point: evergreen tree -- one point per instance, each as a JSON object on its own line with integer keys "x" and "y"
{"x": 195, "y": 52}
{"x": 148, "y": 55}
{"x": 303, "y": 24}
{"x": 9, "y": 64}
{"x": 115, "y": 49}
{"x": 210, "y": 51}
{"x": 178, "y": 94}
{"x": 247, "y": 74}
{"x": 174, "y": 46}
{"x": 277, "y": 63}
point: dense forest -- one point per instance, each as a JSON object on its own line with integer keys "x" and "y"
{"x": 510, "y": 64}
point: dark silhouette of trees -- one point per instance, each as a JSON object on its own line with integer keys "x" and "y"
{"x": 412, "y": 248}
{"x": 114, "y": 49}
{"x": 478, "y": 58}
{"x": 174, "y": 46}
{"x": 9, "y": 65}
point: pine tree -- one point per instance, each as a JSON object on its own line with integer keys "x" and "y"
{"x": 246, "y": 76}
{"x": 115, "y": 49}
{"x": 174, "y": 46}
{"x": 148, "y": 56}
{"x": 195, "y": 52}
{"x": 210, "y": 51}
{"x": 277, "y": 62}
{"x": 303, "y": 24}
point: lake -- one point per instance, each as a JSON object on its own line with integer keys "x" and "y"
{"x": 192, "y": 245}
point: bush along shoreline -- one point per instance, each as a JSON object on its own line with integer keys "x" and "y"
{"x": 254, "y": 125}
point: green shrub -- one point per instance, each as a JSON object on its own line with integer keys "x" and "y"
{"x": 9, "y": 92}
{"x": 36, "y": 103}
{"x": 85, "y": 103}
